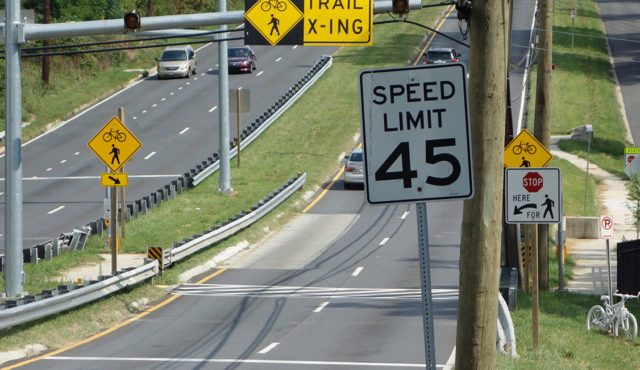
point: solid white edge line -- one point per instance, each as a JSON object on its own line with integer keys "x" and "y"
{"x": 321, "y": 307}
{"x": 357, "y": 271}
{"x": 55, "y": 210}
{"x": 241, "y": 361}
{"x": 150, "y": 155}
{"x": 384, "y": 241}
{"x": 268, "y": 348}
{"x": 184, "y": 130}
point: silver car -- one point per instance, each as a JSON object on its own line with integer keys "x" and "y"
{"x": 177, "y": 61}
{"x": 354, "y": 169}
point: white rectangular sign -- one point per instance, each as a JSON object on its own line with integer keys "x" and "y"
{"x": 533, "y": 195}
{"x": 606, "y": 227}
{"x": 416, "y": 134}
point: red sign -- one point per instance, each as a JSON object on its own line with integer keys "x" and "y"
{"x": 532, "y": 182}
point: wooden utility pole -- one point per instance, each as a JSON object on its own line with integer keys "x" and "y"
{"x": 482, "y": 218}
{"x": 542, "y": 125}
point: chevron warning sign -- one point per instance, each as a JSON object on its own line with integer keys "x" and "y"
{"x": 156, "y": 253}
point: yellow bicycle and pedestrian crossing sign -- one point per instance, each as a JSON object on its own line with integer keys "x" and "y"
{"x": 114, "y": 144}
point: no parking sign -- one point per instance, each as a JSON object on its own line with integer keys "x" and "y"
{"x": 606, "y": 227}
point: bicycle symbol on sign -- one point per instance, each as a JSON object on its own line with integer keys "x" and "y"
{"x": 275, "y": 4}
{"x": 114, "y": 134}
{"x": 529, "y": 148}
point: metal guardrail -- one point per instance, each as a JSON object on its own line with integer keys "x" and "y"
{"x": 287, "y": 101}
{"x": 76, "y": 297}
{"x": 178, "y": 253}
{"x": 65, "y": 297}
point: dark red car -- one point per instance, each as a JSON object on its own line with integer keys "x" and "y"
{"x": 241, "y": 59}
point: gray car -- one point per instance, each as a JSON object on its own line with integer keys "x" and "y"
{"x": 177, "y": 61}
{"x": 354, "y": 169}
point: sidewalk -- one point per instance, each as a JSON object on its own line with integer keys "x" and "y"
{"x": 590, "y": 273}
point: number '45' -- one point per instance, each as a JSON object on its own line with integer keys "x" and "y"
{"x": 401, "y": 152}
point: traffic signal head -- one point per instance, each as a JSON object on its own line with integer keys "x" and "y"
{"x": 132, "y": 21}
{"x": 400, "y": 7}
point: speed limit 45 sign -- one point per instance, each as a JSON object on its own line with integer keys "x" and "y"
{"x": 416, "y": 134}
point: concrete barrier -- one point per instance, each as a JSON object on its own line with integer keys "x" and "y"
{"x": 582, "y": 227}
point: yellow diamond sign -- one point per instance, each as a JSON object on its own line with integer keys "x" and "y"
{"x": 273, "y": 18}
{"x": 526, "y": 151}
{"x": 114, "y": 144}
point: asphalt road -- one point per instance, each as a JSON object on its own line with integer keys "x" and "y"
{"x": 338, "y": 288}
{"x": 176, "y": 121}
{"x": 622, "y": 23}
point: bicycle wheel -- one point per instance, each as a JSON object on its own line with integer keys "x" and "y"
{"x": 121, "y": 137}
{"x": 531, "y": 149}
{"x": 597, "y": 319}
{"x": 282, "y": 6}
{"x": 517, "y": 150}
{"x": 265, "y": 6}
{"x": 627, "y": 327}
{"x": 107, "y": 137}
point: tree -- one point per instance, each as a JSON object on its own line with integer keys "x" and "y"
{"x": 633, "y": 197}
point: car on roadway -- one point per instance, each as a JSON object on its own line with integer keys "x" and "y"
{"x": 354, "y": 169}
{"x": 241, "y": 59}
{"x": 440, "y": 56}
{"x": 177, "y": 61}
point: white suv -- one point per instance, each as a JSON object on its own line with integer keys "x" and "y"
{"x": 177, "y": 61}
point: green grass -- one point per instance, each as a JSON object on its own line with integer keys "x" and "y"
{"x": 583, "y": 88}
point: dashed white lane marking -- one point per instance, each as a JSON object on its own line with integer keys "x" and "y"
{"x": 357, "y": 271}
{"x": 150, "y": 155}
{"x": 278, "y": 59}
{"x": 214, "y": 108}
{"x": 144, "y": 111}
{"x": 188, "y": 83}
{"x": 294, "y": 47}
{"x": 202, "y": 74}
{"x": 134, "y": 117}
{"x": 404, "y": 215}
{"x": 384, "y": 241}
{"x": 76, "y": 153}
{"x": 49, "y": 169}
{"x": 336, "y": 364}
{"x": 180, "y": 88}
{"x": 171, "y": 93}
{"x": 163, "y": 99}
{"x": 268, "y": 348}
{"x": 321, "y": 307}
{"x": 154, "y": 105}
{"x": 63, "y": 161}
{"x": 259, "y": 73}
{"x": 184, "y": 130}
{"x": 55, "y": 210}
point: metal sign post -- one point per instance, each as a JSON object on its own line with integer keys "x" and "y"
{"x": 425, "y": 284}
{"x": 606, "y": 232}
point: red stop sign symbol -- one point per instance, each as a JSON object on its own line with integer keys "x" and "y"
{"x": 532, "y": 182}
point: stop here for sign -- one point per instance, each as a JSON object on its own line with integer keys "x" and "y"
{"x": 533, "y": 195}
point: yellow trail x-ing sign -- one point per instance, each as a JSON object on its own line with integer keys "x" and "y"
{"x": 114, "y": 144}
{"x": 308, "y": 22}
